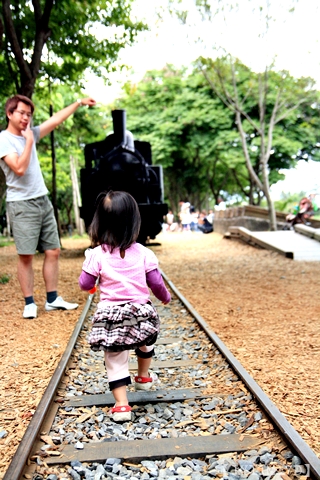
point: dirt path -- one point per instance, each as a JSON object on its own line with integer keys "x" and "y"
{"x": 263, "y": 306}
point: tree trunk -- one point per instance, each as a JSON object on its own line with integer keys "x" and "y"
{"x": 27, "y": 87}
{"x": 263, "y": 186}
{"x": 272, "y": 211}
{"x": 76, "y": 197}
{"x": 28, "y": 68}
{"x": 54, "y": 177}
{"x": 2, "y": 183}
{"x": 8, "y": 226}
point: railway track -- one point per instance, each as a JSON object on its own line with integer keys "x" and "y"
{"x": 206, "y": 419}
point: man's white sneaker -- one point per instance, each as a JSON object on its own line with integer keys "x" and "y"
{"x": 60, "y": 304}
{"x": 145, "y": 383}
{"x": 30, "y": 311}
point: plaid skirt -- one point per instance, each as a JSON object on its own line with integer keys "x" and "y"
{"x": 124, "y": 327}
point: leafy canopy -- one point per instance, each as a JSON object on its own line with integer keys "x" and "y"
{"x": 194, "y": 134}
{"x": 59, "y": 40}
{"x": 188, "y": 129}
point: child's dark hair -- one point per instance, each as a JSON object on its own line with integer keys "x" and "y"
{"x": 116, "y": 221}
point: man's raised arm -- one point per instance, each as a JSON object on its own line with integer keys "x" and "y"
{"x": 59, "y": 117}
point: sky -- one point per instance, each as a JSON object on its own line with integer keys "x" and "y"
{"x": 292, "y": 42}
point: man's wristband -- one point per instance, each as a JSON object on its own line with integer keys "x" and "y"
{"x": 79, "y": 101}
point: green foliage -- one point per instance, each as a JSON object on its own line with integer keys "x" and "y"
{"x": 89, "y": 35}
{"x": 4, "y": 278}
{"x": 189, "y": 130}
{"x": 272, "y": 107}
{"x": 287, "y": 202}
{"x": 60, "y": 40}
{"x": 194, "y": 135}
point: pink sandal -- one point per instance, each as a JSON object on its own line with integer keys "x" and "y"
{"x": 121, "y": 413}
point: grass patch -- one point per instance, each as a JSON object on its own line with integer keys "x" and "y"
{"x": 4, "y": 278}
{"x": 76, "y": 236}
{"x": 4, "y": 242}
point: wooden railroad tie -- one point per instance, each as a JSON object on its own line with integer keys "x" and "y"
{"x": 162, "y": 448}
{"x": 136, "y": 398}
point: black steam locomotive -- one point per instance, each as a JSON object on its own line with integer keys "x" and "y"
{"x": 121, "y": 163}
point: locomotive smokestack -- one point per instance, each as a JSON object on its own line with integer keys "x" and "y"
{"x": 119, "y": 126}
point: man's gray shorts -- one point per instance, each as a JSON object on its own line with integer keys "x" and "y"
{"x": 33, "y": 225}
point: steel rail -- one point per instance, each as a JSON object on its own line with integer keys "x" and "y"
{"x": 286, "y": 429}
{"x": 19, "y": 460}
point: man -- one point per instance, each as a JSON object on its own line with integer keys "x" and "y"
{"x": 221, "y": 204}
{"x": 30, "y": 211}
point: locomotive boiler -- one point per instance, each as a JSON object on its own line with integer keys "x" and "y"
{"x": 121, "y": 163}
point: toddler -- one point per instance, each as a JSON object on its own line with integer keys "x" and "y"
{"x": 125, "y": 318}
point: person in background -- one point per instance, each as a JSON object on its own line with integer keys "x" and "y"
{"x": 170, "y": 220}
{"x": 125, "y": 318}
{"x": 203, "y": 224}
{"x": 312, "y": 197}
{"x": 221, "y": 204}
{"x": 306, "y": 209}
{"x": 30, "y": 211}
{"x": 185, "y": 216}
{"x": 194, "y": 219}
{"x": 301, "y": 213}
{"x": 210, "y": 216}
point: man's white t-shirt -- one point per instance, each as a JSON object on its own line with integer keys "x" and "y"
{"x": 31, "y": 184}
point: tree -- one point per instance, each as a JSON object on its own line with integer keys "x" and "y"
{"x": 264, "y": 24}
{"x": 59, "y": 40}
{"x": 194, "y": 134}
{"x": 260, "y": 102}
{"x": 190, "y": 132}
{"x": 44, "y": 42}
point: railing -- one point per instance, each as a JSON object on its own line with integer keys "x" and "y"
{"x": 256, "y": 212}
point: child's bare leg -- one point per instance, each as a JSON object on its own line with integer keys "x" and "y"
{"x": 120, "y": 396}
{"x": 118, "y": 375}
{"x": 144, "y": 358}
{"x": 143, "y": 366}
